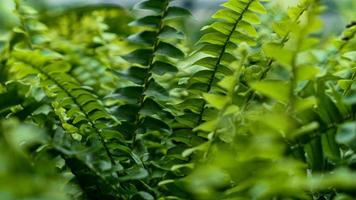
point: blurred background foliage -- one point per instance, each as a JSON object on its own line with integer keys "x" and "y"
{"x": 338, "y": 14}
{"x": 23, "y": 176}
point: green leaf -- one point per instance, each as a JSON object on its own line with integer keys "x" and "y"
{"x": 350, "y": 55}
{"x": 152, "y": 108}
{"x": 127, "y": 112}
{"x": 146, "y": 37}
{"x": 84, "y": 99}
{"x": 278, "y": 90}
{"x": 217, "y": 101}
{"x": 222, "y": 27}
{"x": 155, "y": 5}
{"x": 136, "y": 74}
{"x": 256, "y": 6}
{"x": 203, "y": 147}
{"x": 135, "y": 173}
{"x": 99, "y": 115}
{"x": 92, "y": 106}
{"x": 232, "y": 109}
{"x": 227, "y": 15}
{"x": 161, "y": 68}
{"x": 34, "y": 58}
{"x": 347, "y": 134}
{"x": 176, "y": 12}
{"x": 169, "y": 50}
{"x": 330, "y": 146}
{"x": 238, "y": 38}
{"x": 304, "y": 104}
{"x": 236, "y": 6}
{"x": 213, "y": 38}
{"x": 57, "y": 67}
{"x": 208, "y": 62}
{"x": 188, "y": 120}
{"x": 169, "y": 32}
{"x": 202, "y": 76}
{"x": 281, "y": 28}
{"x": 153, "y": 124}
{"x": 345, "y": 84}
{"x": 156, "y": 91}
{"x": 251, "y": 18}
{"x": 247, "y": 29}
{"x": 148, "y": 21}
{"x": 140, "y": 56}
{"x": 130, "y": 94}
{"x": 278, "y": 53}
{"x": 208, "y": 126}
{"x": 307, "y": 72}
{"x": 228, "y": 83}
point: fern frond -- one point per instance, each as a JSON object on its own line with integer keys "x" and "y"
{"x": 234, "y": 25}
{"x": 145, "y": 96}
{"x": 220, "y": 127}
{"x": 211, "y": 103}
{"x": 81, "y": 106}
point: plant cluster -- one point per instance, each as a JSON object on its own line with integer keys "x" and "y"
{"x": 93, "y": 106}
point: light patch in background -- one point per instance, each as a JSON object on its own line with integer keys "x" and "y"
{"x": 7, "y": 18}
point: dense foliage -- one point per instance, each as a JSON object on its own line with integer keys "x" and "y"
{"x": 95, "y": 105}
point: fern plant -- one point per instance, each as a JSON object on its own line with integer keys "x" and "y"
{"x": 261, "y": 107}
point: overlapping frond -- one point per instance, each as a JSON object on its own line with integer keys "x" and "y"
{"x": 143, "y": 100}
{"x": 234, "y": 24}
